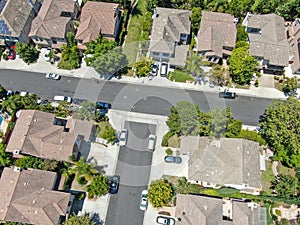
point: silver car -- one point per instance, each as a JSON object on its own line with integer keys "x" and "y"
{"x": 52, "y": 76}
{"x": 123, "y": 137}
{"x": 151, "y": 142}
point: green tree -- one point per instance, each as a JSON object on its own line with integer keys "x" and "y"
{"x": 219, "y": 75}
{"x": 233, "y": 129}
{"x": 220, "y": 119}
{"x": 98, "y": 186}
{"x": 160, "y": 193}
{"x": 5, "y": 158}
{"x": 71, "y": 42}
{"x": 110, "y": 63}
{"x": 3, "y": 92}
{"x": 17, "y": 102}
{"x": 106, "y": 131}
{"x": 70, "y": 58}
{"x": 27, "y": 52}
{"x": 79, "y": 220}
{"x": 241, "y": 34}
{"x": 285, "y": 186}
{"x": 290, "y": 85}
{"x": 279, "y": 126}
{"x": 86, "y": 111}
{"x": 174, "y": 122}
{"x": 289, "y": 10}
{"x": 252, "y": 136}
{"x": 81, "y": 169}
{"x": 194, "y": 63}
{"x": 143, "y": 67}
{"x": 196, "y": 18}
{"x": 242, "y": 65}
{"x": 204, "y": 123}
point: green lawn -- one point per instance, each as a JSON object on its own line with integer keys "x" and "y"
{"x": 266, "y": 178}
{"x": 180, "y": 76}
{"x": 131, "y": 47}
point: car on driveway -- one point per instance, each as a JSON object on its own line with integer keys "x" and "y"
{"x": 144, "y": 200}
{"x": 173, "y": 159}
{"x": 165, "y": 220}
{"x": 123, "y": 137}
{"x": 52, "y": 76}
{"x": 154, "y": 69}
{"x": 12, "y": 52}
{"x": 113, "y": 184}
{"x": 151, "y": 142}
{"x": 227, "y": 94}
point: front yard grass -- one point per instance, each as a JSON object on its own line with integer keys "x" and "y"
{"x": 266, "y": 178}
{"x": 134, "y": 32}
{"x": 180, "y": 76}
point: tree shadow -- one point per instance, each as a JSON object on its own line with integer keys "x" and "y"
{"x": 136, "y": 12}
{"x": 96, "y": 219}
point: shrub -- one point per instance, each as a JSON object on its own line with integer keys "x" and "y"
{"x": 276, "y": 78}
{"x": 5, "y": 56}
{"x": 252, "y": 136}
{"x": 82, "y": 181}
{"x": 165, "y": 139}
{"x": 174, "y": 141}
{"x": 256, "y": 84}
{"x": 169, "y": 151}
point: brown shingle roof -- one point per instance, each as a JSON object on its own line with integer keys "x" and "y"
{"x": 271, "y": 42}
{"x": 225, "y": 161}
{"x": 28, "y": 197}
{"x": 216, "y": 31}
{"x": 49, "y": 23}
{"x": 96, "y": 18}
{"x": 16, "y": 14}
{"x": 34, "y": 134}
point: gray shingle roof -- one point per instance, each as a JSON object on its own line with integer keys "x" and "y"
{"x": 224, "y": 161}
{"x": 293, "y": 39}
{"x": 271, "y": 42}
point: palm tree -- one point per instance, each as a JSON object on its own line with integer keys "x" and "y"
{"x": 83, "y": 170}
{"x": 194, "y": 63}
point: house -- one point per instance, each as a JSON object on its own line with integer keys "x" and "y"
{"x": 216, "y": 36}
{"x": 42, "y": 135}
{"x": 98, "y": 18}
{"x": 170, "y": 36}
{"x": 293, "y": 36}
{"x": 31, "y": 196}
{"x": 15, "y": 19}
{"x": 53, "y": 22}
{"x": 204, "y": 210}
{"x": 268, "y": 42}
{"x": 228, "y": 162}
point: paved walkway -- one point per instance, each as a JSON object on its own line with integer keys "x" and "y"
{"x": 88, "y": 72}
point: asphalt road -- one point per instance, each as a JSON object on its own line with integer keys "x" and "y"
{"x": 132, "y": 97}
{"x": 133, "y": 167}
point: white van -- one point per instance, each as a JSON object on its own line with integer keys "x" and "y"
{"x": 164, "y": 70}
{"x": 60, "y": 98}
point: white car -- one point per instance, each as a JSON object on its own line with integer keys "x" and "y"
{"x": 24, "y": 93}
{"x": 165, "y": 220}
{"x": 52, "y": 76}
{"x": 47, "y": 55}
{"x": 151, "y": 142}
{"x": 123, "y": 137}
{"x": 144, "y": 200}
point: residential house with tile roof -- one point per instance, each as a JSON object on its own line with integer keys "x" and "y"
{"x": 205, "y": 210}
{"x": 231, "y": 162}
{"x": 31, "y": 196}
{"x": 293, "y": 36}
{"x": 15, "y": 19}
{"x": 216, "y": 36}
{"x": 170, "y": 36}
{"x": 268, "y": 41}
{"x": 42, "y": 135}
{"x": 98, "y": 18}
{"x": 53, "y": 22}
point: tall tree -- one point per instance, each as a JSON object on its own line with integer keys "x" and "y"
{"x": 279, "y": 126}
{"x": 220, "y": 119}
{"x": 160, "y": 193}
{"x": 98, "y": 186}
{"x": 86, "y": 111}
{"x": 194, "y": 63}
{"x": 143, "y": 67}
{"x": 285, "y": 186}
{"x": 81, "y": 169}
{"x": 219, "y": 75}
{"x": 196, "y": 18}
{"x": 174, "y": 122}
{"x": 27, "y": 52}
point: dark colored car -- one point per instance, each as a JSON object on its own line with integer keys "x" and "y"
{"x": 227, "y": 94}
{"x": 12, "y": 52}
{"x": 102, "y": 112}
{"x": 78, "y": 101}
{"x": 173, "y": 159}
{"x": 154, "y": 69}
{"x": 113, "y": 184}
{"x": 103, "y": 105}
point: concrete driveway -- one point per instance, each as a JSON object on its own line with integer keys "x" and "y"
{"x": 266, "y": 80}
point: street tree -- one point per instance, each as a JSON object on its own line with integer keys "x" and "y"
{"x": 174, "y": 122}
{"x": 98, "y": 187}
{"x": 242, "y": 65}
{"x": 194, "y": 63}
{"x": 279, "y": 126}
{"x": 160, "y": 193}
{"x": 27, "y": 52}
{"x": 79, "y": 220}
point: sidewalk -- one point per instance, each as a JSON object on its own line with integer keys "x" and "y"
{"x": 88, "y": 72}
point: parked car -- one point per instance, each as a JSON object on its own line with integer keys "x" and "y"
{"x": 78, "y": 101}
{"x": 52, "y": 76}
{"x": 123, "y": 137}
{"x": 227, "y": 94}
{"x": 151, "y": 142}
{"x": 113, "y": 184}
{"x": 173, "y": 159}
{"x": 12, "y": 52}
{"x": 165, "y": 220}
{"x": 9, "y": 93}
{"x": 60, "y": 98}
{"x": 164, "y": 70}
{"x": 47, "y": 55}
{"x": 23, "y": 93}
{"x": 144, "y": 200}
{"x": 103, "y": 105}
{"x": 154, "y": 69}
{"x": 102, "y": 112}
